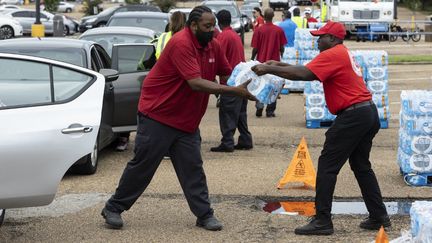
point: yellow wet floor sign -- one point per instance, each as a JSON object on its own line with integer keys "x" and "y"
{"x": 301, "y": 168}
{"x": 381, "y": 236}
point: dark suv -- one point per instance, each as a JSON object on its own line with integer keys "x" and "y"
{"x": 102, "y": 18}
{"x": 236, "y": 17}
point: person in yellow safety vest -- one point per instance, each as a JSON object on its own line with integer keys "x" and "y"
{"x": 177, "y": 23}
{"x": 323, "y": 11}
{"x": 299, "y": 21}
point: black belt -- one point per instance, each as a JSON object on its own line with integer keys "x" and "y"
{"x": 357, "y": 105}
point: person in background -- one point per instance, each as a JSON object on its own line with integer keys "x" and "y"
{"x": 298, "y": 20}
{"x": 308, "y": 15}
{"x": 351, "y": 134}
{"x": 268, "y": 43}
{"x": 289, "y": 27}
{"x": 177, "y": 23}
{"x": 232, "y": 109}
{"x": 259, "y": 20}
{"x": 174, "y": 98}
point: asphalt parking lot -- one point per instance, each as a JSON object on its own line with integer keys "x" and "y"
{"x": 237, "y": 181}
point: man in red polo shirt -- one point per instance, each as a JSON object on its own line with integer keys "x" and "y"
{"x": 350, "y": 136}
{"x": 268, "y": 43}
{"x": 173, "y": 100}
{"x": 232, "y": 109}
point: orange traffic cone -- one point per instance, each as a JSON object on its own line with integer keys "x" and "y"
{"x": 301, "y": 168}
{"x": 382, "y": 236}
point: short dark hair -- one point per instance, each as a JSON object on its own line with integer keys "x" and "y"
{"x": 287, "y": 14}
{"x": 296, "y": 12}
{"x": 224, "y": 17}
{"x": 197, "y": 13}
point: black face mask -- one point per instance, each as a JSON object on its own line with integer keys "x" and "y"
{"x": 204, "y": 37}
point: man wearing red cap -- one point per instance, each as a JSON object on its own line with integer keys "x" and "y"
{"x": 350, "y": 136}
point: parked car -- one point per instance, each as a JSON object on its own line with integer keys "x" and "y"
{"x": 236, "y": 17}
{"x": 247, "y": 10}
{"x": 9, "y": 28}
{"x": 253, "y": 2}
{"x": 183, "y": 10}
{"x": 8, "y": 6}
{"x": 11, "y": 2}
{"x": 26, "y": 17}
{"x": 120, "y": 98}
{"x": 65, "y": 7}
{"x": 150, "y": 20}
{"x": 50, "y": 114}
{"x": 108, "y": 36}
{"x": 102, "y": 18}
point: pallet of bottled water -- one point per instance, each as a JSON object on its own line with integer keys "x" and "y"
{"x": 415, "y": 137}
{"x": 374, "y": 68}
{"x": 421, "y": 221}
{"x": 316, "y": 112}
{"x": 265, "y": 88}
{"x": 305, "y": 49}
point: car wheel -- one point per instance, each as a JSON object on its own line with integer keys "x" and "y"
{"x": 68, "y": 10}
{"x": 88, "y": 164}
{"x": 6, "y": 32}
{"x": 66, "y": 30}
{"x": 2, "y": 215}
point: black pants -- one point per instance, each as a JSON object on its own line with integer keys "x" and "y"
{"x": 233, "y": 115}
{"x": 152, "y": 141}
{"x": 350, "y": 137}
{"x": 269, "y": 109}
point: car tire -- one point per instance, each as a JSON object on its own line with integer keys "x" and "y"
{"x": 2, "y": 215}
{"x": 6, "y": 32}
{"x": 68, "y": 10}
{"x": 66, "y": 31}
{"x": 88, "y": 164}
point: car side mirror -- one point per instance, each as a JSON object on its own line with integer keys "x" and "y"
{"x": 109, "y": 74}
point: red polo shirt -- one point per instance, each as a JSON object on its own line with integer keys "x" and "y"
{"x": 341, "y": 77}
{"x": 268, "y": 40}
{"x": 232, "y": 46}
{"x": 166, "y": 96}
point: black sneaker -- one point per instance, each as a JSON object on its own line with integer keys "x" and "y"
{"x": 222, "y": 148}
{"x": 375, "y": 223}
{"x": 270, "y": 114}
{"x": 259, "y": 112}
{"x": 316, "y": 227}
{"x": 112, "y": 219}
{"x": 243, "y": 147}
{"x": 209, "y": 223}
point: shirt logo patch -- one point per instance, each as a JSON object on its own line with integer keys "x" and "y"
{"x": 212, "y": 60}
{"x": 355, "y": 66}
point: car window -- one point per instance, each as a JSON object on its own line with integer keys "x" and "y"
{"x": 232, "y": 9}
{"x": 24, "y": 83}
{"x": 135, "y": 58}
{"x": 119, "y": 10}
{"x": 43, "y": 16}
{"x": 108, "y": 40}
{"x": 21, "y": 14}
{"x": 67, "y": 83}
{"x": 70, "y": 55}
{"x": 156, "y": 24}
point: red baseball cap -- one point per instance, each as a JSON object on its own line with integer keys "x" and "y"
{"x": 332, "y": 28}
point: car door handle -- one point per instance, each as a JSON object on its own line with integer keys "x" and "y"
{"x": 77, "y": 129}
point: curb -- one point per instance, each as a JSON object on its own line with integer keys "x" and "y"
{"x": 410, "y": 63}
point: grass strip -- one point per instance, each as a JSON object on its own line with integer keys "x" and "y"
{"x": 393, "y": 59}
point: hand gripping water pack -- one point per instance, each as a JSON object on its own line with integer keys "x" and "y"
{"x": 242, "y": 73}
{"x": 266, "y": 88}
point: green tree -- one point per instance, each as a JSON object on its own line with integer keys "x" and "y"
{"x": 165, "y": 5}
{"x": 89, "y": 6}
{"x": 133, "y": 1}
{"x": 51, "y": 5}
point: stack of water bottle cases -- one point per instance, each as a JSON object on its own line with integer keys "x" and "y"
{"x": 415, "y": 137}
{"x": 374, "y": 69}
{"x": 421, "y": 221}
